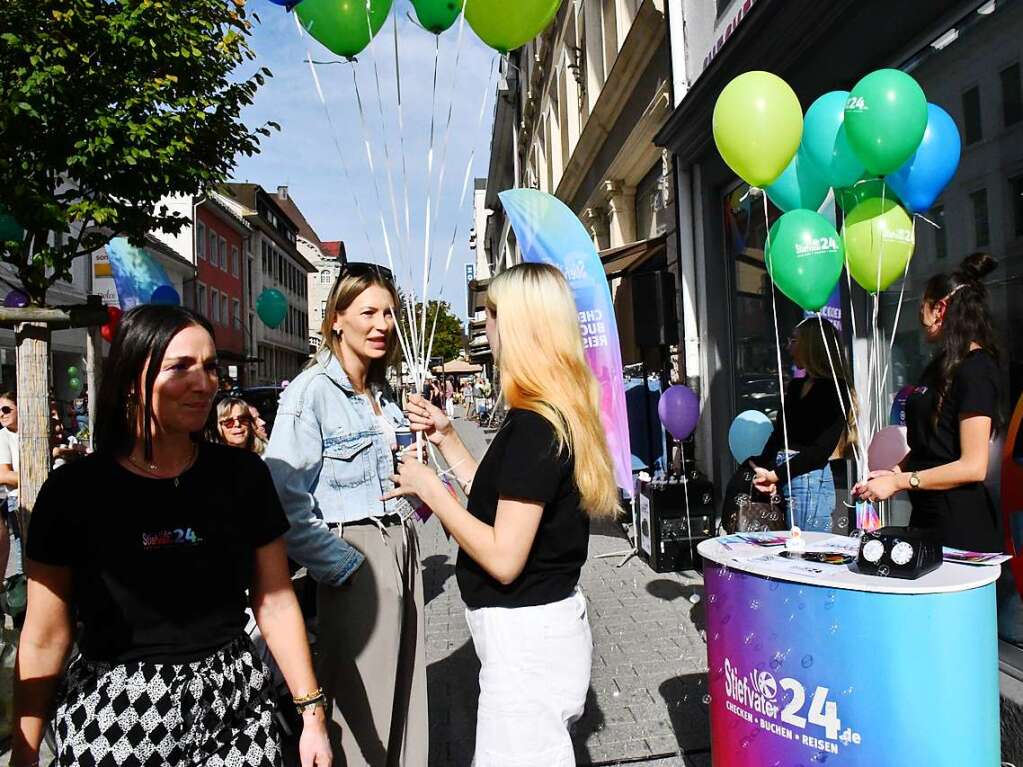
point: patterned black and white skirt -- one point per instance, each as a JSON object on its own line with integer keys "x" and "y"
{"x": 216, "y": 712}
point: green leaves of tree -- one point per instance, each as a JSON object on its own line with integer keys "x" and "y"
{"x": 107, "y": 106}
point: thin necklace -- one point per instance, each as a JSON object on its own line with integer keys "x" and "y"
{"x": 153, "y": 470}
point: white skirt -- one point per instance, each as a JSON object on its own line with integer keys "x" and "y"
{"x": 534, "y": 676}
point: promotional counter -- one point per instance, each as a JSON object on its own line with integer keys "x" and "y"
{"x": 814, "y": 664}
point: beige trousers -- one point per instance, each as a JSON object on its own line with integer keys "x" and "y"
{"x": 371, "y": 653}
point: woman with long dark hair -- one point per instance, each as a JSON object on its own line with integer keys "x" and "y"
{"x": 820, "y": 419}
{"x": 157, "y": 565}
{"x": 951, "y": 415}
{"x": 331, "y": 453}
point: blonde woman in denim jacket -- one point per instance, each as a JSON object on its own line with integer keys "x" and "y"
{"x": 331, "y": 454}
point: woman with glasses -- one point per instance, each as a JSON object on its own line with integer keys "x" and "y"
{"x": 820, "y": 420}
{"x": 234, "y": 424}
{"x": 157, "y": 571}
{"x": 331, "y": 453}
{"x": 523, "y": 538}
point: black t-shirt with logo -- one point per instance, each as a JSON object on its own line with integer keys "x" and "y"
{"x": 523, "y": 464}
{"x": 160, "y": 567}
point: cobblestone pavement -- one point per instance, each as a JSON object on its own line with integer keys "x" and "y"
{"x": 646, "y": 702}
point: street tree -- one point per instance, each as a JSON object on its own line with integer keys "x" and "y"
{"x": 449, "y": 338}
{"x": 107, "y": 107}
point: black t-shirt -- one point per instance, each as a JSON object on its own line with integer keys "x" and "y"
{"x": 816, "y": 422}
{"x": 965, "y": 516}
{"x": 159, "y": 569}
{"x": 523, "y": 464}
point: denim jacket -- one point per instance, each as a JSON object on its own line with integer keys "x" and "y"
{"x": 331, "y": 463}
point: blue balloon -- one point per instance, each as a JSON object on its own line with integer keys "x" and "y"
{"x": 825, "y": 143}
{"x": 748, "y": 434}
{"x": 799, "y": 186}
{"x": 926, "y": 174}
{"x": 165, "y": 295}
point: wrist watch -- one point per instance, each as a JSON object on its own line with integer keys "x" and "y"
{"x": 914, "y": 481}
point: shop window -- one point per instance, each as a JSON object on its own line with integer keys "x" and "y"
{"x": 1016, "y": 191}
{"x": 1012, "y": 96}
{"x": 981, "y": 226}
{"x": 940, "y": 234}
{"x": 973, "y": 128}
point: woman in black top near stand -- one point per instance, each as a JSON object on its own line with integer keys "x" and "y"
{"x": 157, "y": 565}
{"x": 820, "y": 416}
{"x": 951, "y": 416}
{"x": 525, "y": 534}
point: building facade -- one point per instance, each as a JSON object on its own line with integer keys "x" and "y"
{"x": 275, "y": 259}
{"x": 966, "y": 56}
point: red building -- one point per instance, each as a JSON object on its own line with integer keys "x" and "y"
{"x": 221, "y": 239}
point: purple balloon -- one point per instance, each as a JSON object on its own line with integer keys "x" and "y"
{"x": 679, "y": 409}
{"x": 16, "y": 300}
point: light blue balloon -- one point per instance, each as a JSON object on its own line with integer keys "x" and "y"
{"x": 748, "y": 434}
{"x": 799, "y": 186}
{"x": 825, "y": 142}
{"x": 925, "y": 175}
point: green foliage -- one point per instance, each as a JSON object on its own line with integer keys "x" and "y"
{"x": 449, "y": 340}
{"x": 107, "y": 106}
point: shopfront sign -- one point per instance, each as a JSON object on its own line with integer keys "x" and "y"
{"x": 728, "y": 30}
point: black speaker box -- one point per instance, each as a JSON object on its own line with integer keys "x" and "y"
{"x": 653, "y": 309}
{"x": 666, "y": 535}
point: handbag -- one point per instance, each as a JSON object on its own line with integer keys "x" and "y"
{"x": 746, "y": 509}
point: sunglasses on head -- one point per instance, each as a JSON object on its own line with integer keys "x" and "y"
{"x": 241, "y": 420}
{"x": 363, "y": 269}
{"x": 6, "y": 410}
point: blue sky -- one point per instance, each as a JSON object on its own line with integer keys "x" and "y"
{"x": 304, "y": 155}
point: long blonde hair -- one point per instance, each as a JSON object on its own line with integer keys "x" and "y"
{"x": 821, "y": 349}
{"x": 346, "y": 289}
{"x": 543, "y": 369}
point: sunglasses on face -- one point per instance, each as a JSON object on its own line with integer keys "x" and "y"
{"x": 6, "y": 410}
{"x": 242, "y": 420}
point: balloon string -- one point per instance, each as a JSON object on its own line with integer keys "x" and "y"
{"x": 685, "y": 500}
{"x": 838, "y": 390}
{"x": 861, "y": 412}
{"x": 429, "y": 199}
{"x": 898, "y": 309}
{"x": 777, "y": 340}
{"x": 341, "y": 159}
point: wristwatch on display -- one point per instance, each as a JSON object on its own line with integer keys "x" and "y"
{"x": 914, "y": 481}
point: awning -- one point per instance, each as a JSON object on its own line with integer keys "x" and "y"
{"x": 645, "y": 255}
{"x": 457, "y": 367}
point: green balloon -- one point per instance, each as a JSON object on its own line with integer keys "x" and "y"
{"x": 343, "y": 26}
{"x": 272, "y": 306}
{"x": 505, "y": 24}
{"x": 805, "y": 258}
{"x": 850, "y": 196}
{"x": 879, "y": 241}
{"x": 73, "y": 371}
{"x": 437, "y": 15}
{"x": 799, "y": 186}
{"x": 9, "y": 228}
{"x": 757, "y": 126}
{"x": 75, "y": 384}
{"x": 885, "y": 120}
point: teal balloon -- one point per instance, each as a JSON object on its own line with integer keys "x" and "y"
{"x": 799, "y": 186}
{"x": 885, "y": 119}
{"x": 826, "y": 143}
{"x": 9, "y": 228}
{"x": 805, "y": 257}
{"x": 272, "y": 307}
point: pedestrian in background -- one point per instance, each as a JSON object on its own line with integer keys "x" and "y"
{"x": 820, "y": 419}
{"x": 523, "y": 538}
{"x": 157, "y": 572}
{"x": 331, "y": 453}
{"x": 10, "y": 537}
{"x": 951, "y": 416}
{"x": 235, "y": 426}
